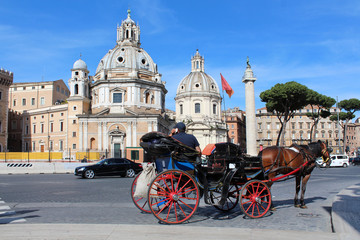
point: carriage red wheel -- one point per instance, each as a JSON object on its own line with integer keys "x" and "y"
{"x": 173, "y": 196}
{"x": 255, "y": 199}
{"x": 232, "y": 198}
{"x": 140, "y": 202}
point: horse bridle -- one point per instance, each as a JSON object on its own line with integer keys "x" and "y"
{"x": 323, "y": 153}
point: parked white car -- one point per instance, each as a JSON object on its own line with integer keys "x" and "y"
{"x": 336, "y": 161}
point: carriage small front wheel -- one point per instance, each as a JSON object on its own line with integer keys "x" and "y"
{"x": 255, "y": 199}
{"x": 173, "y": 196}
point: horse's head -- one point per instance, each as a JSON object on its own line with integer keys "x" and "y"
{"x": 325, "y": 152}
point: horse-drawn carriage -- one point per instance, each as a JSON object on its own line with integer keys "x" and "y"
{"x": 224, "y": 178}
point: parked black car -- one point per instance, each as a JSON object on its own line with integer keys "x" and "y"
{"x": 110, "y": 167}
{"x": 354, "y": 161}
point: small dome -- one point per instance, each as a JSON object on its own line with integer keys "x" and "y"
{"x": 80, "y": 64}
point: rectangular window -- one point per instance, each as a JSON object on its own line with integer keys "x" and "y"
{"x": 42, "y": 128}
{"x": 34, "y": 128}
{"x": 33, "y": 87}
{"x": 51, "y": 127}
{"x": 27, "y": 129}
{"x": 33, "y": 146}
{"x": 259, "y": 126}
{"x": 26, "y": 146}
{"x": 24, "y": 101}
{"x": 0, "y": 95}
{"x": 61, "y": 126}
{"x": 0, "y": 127}
{"x": 33, "y": 101}
{"x": 14, "y": 102}
{"x": 74, "y": 146}
{"x": 181, "y": 109}
{"x": 42, "y": 101}
{"x": 214, "y": 108}
{"x": 300, "y": 125}
{"x": 61, "y": 145}
{"x": 293, "y": 125}
{"x": 117, "y": 97}
{"x": 57, "y": 88}
{"x": 134, "y": 154}
{"x": 51, "y": 145}
{"x": 197, "y": 107}
{"x": 13, "y": 125}
{"x": 74, "y": 134}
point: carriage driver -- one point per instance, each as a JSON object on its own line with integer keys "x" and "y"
{"x": 178, "y": 132}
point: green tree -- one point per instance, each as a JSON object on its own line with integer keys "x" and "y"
{"x": 350, "y": 106}
{"x": 320, "y": 105}
{"x": 284, "y": 99}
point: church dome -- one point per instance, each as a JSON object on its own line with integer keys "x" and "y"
{"x": 127, "y": 56}
{"x": 197, "y": 81}
{"x": 80, "y": 64}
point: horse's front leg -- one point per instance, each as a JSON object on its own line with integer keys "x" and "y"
{"x": 297, "y": 189}
{"x": 303, "y": 189}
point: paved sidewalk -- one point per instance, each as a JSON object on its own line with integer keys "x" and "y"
{"x": 346, "y": 213}
{"x": 156, "y": 232}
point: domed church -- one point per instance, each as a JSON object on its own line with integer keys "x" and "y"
{"x": 123, "y": 100}
{"x": 198, "y": 104}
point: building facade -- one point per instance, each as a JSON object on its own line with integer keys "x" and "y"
{"x": 198, "y": 104}
{"x": 353, "y": 138}
{"x": 297, "y": 129}
{"x": 6, "y": 79}
{"x": 236, "y": 125}
{"x": 108, "y": 112}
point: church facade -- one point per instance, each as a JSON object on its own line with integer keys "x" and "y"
{"x": 107, "y": 112}
{"x": 198, "y": 104}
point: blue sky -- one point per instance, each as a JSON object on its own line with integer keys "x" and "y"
{"x": 316, "y": 43}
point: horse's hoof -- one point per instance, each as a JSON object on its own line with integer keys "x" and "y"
{"x": 303, "y": 207}
{"x": 297, "y": 205}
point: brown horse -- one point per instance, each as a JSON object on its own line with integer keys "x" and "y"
{"x": 298, "y": 160}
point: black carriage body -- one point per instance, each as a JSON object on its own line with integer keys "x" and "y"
{"x": 228, "y": 156}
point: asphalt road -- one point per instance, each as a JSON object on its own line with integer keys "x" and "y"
{"x": 64, "y": 198}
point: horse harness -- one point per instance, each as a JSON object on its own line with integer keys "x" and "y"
{"x": 300, "y": 151}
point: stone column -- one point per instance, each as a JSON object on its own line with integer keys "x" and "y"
{"x": 249, "y": 80}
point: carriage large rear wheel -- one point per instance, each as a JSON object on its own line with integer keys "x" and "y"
{"x": 140, "y": 202}
{"x": 173, "y": 196}
{"x": 255, "y": 199}
{"x": 232, "y": 198}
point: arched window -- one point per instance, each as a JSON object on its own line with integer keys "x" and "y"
{"x": 76, "y": 89}
{"x": 181, "y": 109}
{"x": 92, "y": 143}
{"x": 197, "y": 107}
{"x": 214, "y": 109}
{"x": 147, "y": 97}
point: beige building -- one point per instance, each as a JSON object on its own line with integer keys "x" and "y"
{"x": 108, "y": 112}
{"x": 297, "y": 129}
{"x": 6, "y": 79}
{"x": 34, "y": 95}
